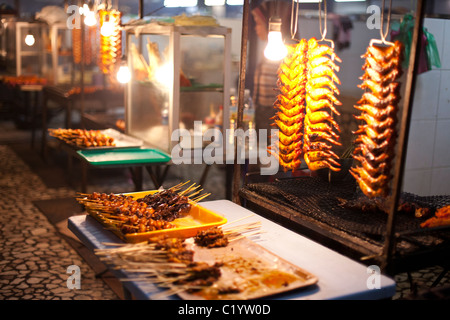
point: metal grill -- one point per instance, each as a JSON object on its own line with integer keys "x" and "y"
{"x": 316, "y": 198}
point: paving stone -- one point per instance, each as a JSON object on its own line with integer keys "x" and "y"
{"x": 34, "y": 256}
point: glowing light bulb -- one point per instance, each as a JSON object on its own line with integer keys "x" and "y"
{"x": 124, "y": 74}
{"x": 90, "y": 19}
{"x": 107, "y": 28}
{"x": 275, "y": 49}
{"x": 29, "y": 40}
{"x": 89, "y": 16}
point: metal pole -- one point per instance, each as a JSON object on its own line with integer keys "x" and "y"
{"x": 240, "y": 111}
{"x": 83, "y": 28}
{"x": 141, "y": 9}
{"x": 389, "y": 245}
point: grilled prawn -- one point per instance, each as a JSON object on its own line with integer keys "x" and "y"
{"x": 321, "y": 90}
{"x": 290, "y": 104}
{"x": 374, "y": 150}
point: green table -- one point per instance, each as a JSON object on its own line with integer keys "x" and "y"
{"x": 135, "y": 159}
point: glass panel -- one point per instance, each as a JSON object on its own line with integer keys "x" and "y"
{"x": 149, "y": 101}
{"x": 202, "y": 93}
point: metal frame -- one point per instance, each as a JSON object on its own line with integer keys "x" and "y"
{"x": 399, "y": 166}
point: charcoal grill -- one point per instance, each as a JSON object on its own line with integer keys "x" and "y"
{"x": 310, "y": 206}
{"x": 314, "y": 207}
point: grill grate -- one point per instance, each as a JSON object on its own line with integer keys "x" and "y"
{"x": 320, "y": 200}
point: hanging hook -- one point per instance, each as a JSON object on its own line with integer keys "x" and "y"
{"x": 384, "y": 33}
{"x": 323, "y": 30}
{"x": 388, "y": 22}
{"x": 294, "y": 19}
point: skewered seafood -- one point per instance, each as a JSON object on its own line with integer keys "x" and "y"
{"x": 376, "y": 137}
{"x": 306, "y": 104}
{"x": 76, "y": 45}
{"x": 320, "y": 106}
{"x": 110, "y": 46}
{"x": 83, "y": 48}
{"x": 290, "y": 103}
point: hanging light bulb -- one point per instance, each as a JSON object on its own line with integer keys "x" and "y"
{"x": 124, "y": 74}
{"x": 29, "y": 40}
{"x": 275, "y": 49}
{"x": 107, "y": 28}
{"x": 89, "y": 16}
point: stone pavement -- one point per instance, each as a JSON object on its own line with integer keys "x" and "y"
{"x": 34, "y": 259}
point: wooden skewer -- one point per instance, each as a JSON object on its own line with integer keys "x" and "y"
{"x": 178, "y": 186}
{"x": 228, "y": 223}
{"x": 189, "y": 189}
{"x": 167, "y": 293}
{"x": 192, "y": 194}
{"x": 245, "y": 235}
{"x": 251, "y": 225}
{"x": 198, "y": 199}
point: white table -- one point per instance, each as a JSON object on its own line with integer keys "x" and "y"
{"x": 339, "y": 276}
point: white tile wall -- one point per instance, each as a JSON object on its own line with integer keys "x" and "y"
{"x": 418, "y": 181}
{"x": 441, "y": 156}
{"x": 446, "y": 46}
{"x": 444, "y": 95}
{"x": 421, "y": 137}
{"x": 426, "y": 95}
{"x": 427, "y": 167}
{"x": 440, "y": 181}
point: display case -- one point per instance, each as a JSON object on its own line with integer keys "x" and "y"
{"x": 23, "y": 58}
{"x": 58, "y": 54}
{"x": 180, "y": 76}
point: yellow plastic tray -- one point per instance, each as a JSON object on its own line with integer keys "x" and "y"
{"x": 198, "y": 218}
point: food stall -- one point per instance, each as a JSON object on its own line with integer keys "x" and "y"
{"x": 348, "y": 215}
{"x": 360, "y": 209}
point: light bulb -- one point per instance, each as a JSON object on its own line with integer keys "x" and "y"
{"x": 107, "y": 28}
{"x": 89, "y": 16}
{"x": 90, "y": 19}
{"x": 275, "y": 49}
{"x": 124, "y": 74}
{"x": 29, "y": 40}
